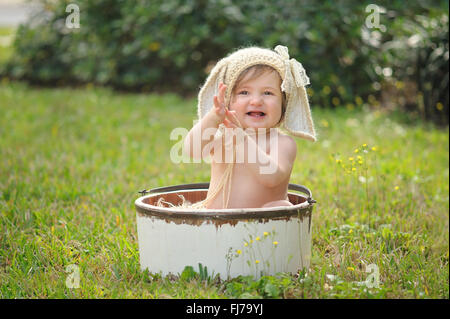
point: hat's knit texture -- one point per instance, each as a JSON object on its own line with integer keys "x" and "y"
{"x": 297, "y": 120}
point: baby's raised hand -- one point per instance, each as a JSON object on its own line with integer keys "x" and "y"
{"x": 231, "y": 120}
{"x": 219, "y": 103}
{"x": 225, "y": 116}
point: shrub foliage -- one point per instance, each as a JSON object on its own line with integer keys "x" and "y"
{"x": 164, "y": 45}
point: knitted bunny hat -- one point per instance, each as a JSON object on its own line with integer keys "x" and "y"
{"x": 297, "y": 120}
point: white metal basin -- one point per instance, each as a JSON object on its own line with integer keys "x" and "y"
{"x": 229, "y": 242}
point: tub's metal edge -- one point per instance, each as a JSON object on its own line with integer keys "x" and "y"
{"x": 224, "y": 216}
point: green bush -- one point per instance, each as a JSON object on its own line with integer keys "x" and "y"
{"x": 169, "y": 45}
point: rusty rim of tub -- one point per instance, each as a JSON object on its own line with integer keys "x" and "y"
{"x": 146, "y": 204}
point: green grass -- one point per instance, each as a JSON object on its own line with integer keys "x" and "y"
{"x": 6, "y": 39}
{"x": 72, "y": 162}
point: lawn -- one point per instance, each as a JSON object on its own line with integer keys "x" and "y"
{"x": 73, "y": 160}
{"x": 6, "y": 39}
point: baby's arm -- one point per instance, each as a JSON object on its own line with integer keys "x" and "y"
{"x": 208, "y": 124}
{"x": 281, "y": 159}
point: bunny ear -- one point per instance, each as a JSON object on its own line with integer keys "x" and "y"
{"x": 298, "y": 120}
{"x": 210, "y": 88}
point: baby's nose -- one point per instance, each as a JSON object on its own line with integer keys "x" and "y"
{"x": 256, "y": 100}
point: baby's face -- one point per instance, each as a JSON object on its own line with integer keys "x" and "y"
{"x": 257, "y": 101}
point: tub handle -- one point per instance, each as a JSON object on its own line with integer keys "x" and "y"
{"x": 302, "y": 189}
{"x": 293, "y": 187}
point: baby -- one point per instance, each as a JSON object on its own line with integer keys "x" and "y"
{"x": 247, "y": 96}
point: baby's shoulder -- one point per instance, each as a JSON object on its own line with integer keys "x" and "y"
{"x": 287, "y": 144}
{"x": 286, "y": 139}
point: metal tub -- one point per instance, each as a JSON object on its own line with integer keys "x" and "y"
{"x": 229, "y": 242}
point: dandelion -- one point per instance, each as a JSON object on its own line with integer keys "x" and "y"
{"x": 359, "y": 157}
{"x": 275, "y": 243}
{"x": 351, "y": 159}
{"x": 399, "y": 85}
{"x": 238, "y": 251}
{"x": 364, "y": 145}
{"x": 251, "y": 241}
{"x": 357, "y": 150}
{"x": 360, "y": 162}
{"x": 374, "y": 148}
{"x": 257, "y": 238}
{"x": 324, "y": 123}
{"x": 439, "y": 106}
{"x": 245, "y": 244}
{"x": 350, "y": 269}
{"x": 350, "y": 231}
{"x": 265, "y": 234}
{"x": 338, "y": 161}
{"x": 335, "y": 101}
{"x": 154, "y": 46}
{"x": 256, "y": 261}
{"x": 396, "y": 188}
{"x": 358, "y": 100}
{"x": 353, "y": 169}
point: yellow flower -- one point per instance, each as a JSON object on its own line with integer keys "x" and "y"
{"x": 396, "y": 188}
{"x": 275, "y": 243}
{"x": 360, "y": 162}
{"x": 439, "y": 106}
{"x": 257, "y": 238}
{"x": 350, "y": 231}
{"x": 338, "y": 161}
{"x": 353, "y": 169}
{"x": 399, "y": 84}
{"x": 374, "y": 148}
{"x": 350, "y": 268}
{"x": 265, "y": 233}
{"x": 238, "y": 251}
{"x": 357, "y": 150}
{"x": 351, "y": 159}
{"x": 245, "y": 244}
{"x": 251, "y": 241}
{"x": 154, "y": 46}
{"x": 364, "y": 145}
{"x": 358, "y": 100}
{"x": 256, "y": 261}
{"x": 335, "y": 101}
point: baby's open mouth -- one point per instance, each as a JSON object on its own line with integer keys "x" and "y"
{"x": 256, "y": 114}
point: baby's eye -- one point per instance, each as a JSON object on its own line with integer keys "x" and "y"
{"x": 243, "y": 92}
{"x": 268, "y": 93}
